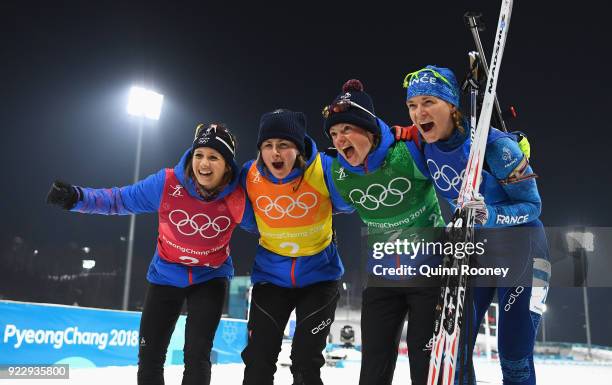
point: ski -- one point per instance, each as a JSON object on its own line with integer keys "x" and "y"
{"x": 450, "y": 311}
{"x": 462, "y": 231}
{"x": 438, "y": 339}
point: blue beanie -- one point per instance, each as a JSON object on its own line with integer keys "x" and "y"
{"x": 353, "y": 91}
{"x": 283, "y": 124}
{"x": 434, "y": 81}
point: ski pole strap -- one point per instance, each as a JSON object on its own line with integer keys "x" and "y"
{"x": 471, "y": 78}
{"x": 518, "y": 174}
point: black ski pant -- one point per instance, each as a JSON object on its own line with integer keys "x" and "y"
{"x": 271, "y": 306}
{"x": 383, "y": 313}
{"x": 162, "y": 308}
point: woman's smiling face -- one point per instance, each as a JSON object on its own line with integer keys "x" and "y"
{"x": 209, "y": 167}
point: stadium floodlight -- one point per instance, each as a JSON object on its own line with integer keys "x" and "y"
{"x": 579, "y": 242}
{"x": 144, "y": 103}
{"x": 88, "y": 264}
{"x": 580, "y": 239}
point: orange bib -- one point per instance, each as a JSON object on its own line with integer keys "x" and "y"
{"x": 292, "y": 223}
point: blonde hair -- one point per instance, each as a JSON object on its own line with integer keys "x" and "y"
{"x": 457, "y": 117}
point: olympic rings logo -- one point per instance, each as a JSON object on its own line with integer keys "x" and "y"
{"x": 190, "y": 226}
{"x": 372, "y": 201}
{"x": 450, "y": 178}
{"x": 284, "y": 205}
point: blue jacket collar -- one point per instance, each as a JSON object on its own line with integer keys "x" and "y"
{"x": 375, "y": 158}
{"x": 456, "y": 139}
{"x": 311, "y": 153}
{"x": 189, "y": 184}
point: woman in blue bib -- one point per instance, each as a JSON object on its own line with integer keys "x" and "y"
{"x": 511, "y": 202}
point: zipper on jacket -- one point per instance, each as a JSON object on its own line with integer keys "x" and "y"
{"x": 190, "y": 274}
{"x": 293, "y": 260}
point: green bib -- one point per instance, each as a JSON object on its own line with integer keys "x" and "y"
{"x": 397, "y": 196}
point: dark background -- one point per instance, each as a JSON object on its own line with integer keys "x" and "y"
{"x": 66, "y": 68}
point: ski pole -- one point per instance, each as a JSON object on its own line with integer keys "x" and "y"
{"x": 473, "y": 84}
{"x": 474, "y": 24}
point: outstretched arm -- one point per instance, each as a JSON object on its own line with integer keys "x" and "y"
{"x": 141, "y": 197}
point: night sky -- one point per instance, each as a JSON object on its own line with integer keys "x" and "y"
{"x": 67, "y": 68}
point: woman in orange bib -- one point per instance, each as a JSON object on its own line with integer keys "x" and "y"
{"x": 297, "y": 266}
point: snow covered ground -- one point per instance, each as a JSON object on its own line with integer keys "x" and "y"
{"x": 549, "y": 373}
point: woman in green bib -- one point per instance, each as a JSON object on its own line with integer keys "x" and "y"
{"x": 386, "y": 182}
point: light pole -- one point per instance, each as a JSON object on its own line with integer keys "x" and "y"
{"x": 578, "y": 243}
{"x": 346, "y": 288}
{"x": 544, "y": 323}
{"x": 87, "y": 263}
{"x": 142, "y": 103}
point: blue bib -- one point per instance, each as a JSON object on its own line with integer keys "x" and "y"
{"x": 447, "y": 169}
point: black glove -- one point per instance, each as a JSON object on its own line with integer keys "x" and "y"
{"x": 63, "y": 195}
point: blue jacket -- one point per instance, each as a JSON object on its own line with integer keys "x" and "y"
{"x": 303, "y": 271}
{"x": 145, "y": 197}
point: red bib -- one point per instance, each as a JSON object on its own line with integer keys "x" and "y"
{"x": 194, "y": 232}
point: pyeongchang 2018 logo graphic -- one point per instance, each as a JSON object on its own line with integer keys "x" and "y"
{"x": 445, "y": 177}
{"x": 376, "y": 194}
{"x": 285, "y": 205}
{"x": 199, "y": 223}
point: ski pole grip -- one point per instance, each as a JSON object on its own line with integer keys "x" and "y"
{"x": 473, "y": 20}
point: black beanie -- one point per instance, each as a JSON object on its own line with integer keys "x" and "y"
{"x": 353, "y": 91}
{"x": 283, "y": 124}
{"x": 216, "y": 136}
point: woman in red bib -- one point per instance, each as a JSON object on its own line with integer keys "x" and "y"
{"x": 297, "y": 266}
{"x": 199, "y": 203}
